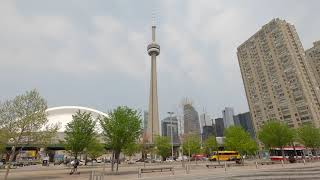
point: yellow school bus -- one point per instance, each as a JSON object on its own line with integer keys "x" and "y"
{"x": 225, "y": 156}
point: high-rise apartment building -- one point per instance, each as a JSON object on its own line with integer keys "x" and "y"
{"x": 191, "y": 120}
{"x": 166, "y": 125}
{"x": 313, "y": 57}
{"x": 277, "y": 80}
{"x": 227, "y": 115}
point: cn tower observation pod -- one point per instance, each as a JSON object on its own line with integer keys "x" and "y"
{"x": 63, "y": 114}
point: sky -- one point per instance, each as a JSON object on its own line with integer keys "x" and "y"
{"x": 93, "y": 53}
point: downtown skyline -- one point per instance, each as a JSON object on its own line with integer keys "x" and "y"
{"x": 73, "y": 58}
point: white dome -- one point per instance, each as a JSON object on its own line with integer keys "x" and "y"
{"x": 63, "y": 114}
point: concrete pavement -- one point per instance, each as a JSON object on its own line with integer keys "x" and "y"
{"x": 276, "y": 171}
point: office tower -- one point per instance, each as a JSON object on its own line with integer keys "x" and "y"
{"x": 166, "y": 128}
{"x": 208, "y": 131}
{"x": 153, "y": 115}
{"x": 313, "y": 57}
{"x": 277, "y": 80}
{"x": 205, "y": 120}
{"x": 219, "y": 127}
{"x": 191, "y": 120}
{"x": 227, "y": 115}
{"x": 244, "y": 120}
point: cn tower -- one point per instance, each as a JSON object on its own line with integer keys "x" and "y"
{"x": 153, "y": 116}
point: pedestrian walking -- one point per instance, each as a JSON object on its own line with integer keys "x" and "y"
{"x": 74, "y": 164}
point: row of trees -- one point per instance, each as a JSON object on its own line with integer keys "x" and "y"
{"x": 120, "y": 132}
{"x": 277, "y": 134}
{"x": 23, "y": 121}
{"x": 272, "y": 134}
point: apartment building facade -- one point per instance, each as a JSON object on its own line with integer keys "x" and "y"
{"x": 313, "y": 57}
{"x": 278, "y": 80}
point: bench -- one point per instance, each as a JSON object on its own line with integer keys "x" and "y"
{"x": 266, "y": 162}
{"x": 215, "y": 165}
{"x": 155, "y": 169}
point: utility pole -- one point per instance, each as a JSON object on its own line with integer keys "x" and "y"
{"x": 170, "y": 113}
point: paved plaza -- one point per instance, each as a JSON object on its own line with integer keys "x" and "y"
{"x": 276, "y": 171}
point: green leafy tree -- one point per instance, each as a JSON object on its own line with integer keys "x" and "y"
{"x": 162, "y": 146}
{"x": 237, "y": 139}
{"x": 210, "y": 145}
{"x": 95, "y": 149}
{"x": 276, "y": 134}
{"x": 23, "y": 121}
{"x": 3, "y": 142}
{"x": 80, "y": 132}
{"x": 131, "y": 149}
{"x": 191, "y": 145}
{"x": 309, "y": 136}
{"x": 120, "y": 128}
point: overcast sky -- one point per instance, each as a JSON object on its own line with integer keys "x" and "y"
{"x": 93, "y": 52}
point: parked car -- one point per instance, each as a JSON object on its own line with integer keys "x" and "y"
{"x": 156, "y": 160}
{"x": 131, "y": 161}
{"x": 148, "y": 160}
{"x": 198, "y": 157}
{"x": 140, "y": 160}
{"x": 169, "y": 159}
{"x": 185, "y": 158}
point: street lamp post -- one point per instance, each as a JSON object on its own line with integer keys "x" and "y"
{"x": 181, "y": 141}
{"x": 170, "y": 113}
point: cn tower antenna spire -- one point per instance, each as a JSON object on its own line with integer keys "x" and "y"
{"x": 153, "y": 18}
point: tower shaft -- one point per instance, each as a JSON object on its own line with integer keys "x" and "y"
{"x": 153, "y": 116}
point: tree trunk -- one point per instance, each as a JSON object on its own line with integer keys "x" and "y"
{"x": 313, "y": 152}
{"x": 282, "y": 152}
{"x": 117, "y": 155}
{"x": 242, "y": 159}
{"x": 112, "y": 161}
{"x": 86, "y": 159}
{"x": 294, "y": 150}
{"x": 218, "y": 157}
{"x": 13, "y": 151}
{"x": 117, "y": 165}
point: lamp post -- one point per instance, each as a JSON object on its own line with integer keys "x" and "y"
{"x": 181, "y": 141}
{"x": 170, "y": 113}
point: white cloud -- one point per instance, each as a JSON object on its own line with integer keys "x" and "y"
{"x": 56, "y": 43}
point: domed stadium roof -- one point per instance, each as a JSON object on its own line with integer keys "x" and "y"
{"x": 63, "y": 114}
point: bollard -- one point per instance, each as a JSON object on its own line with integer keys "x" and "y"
{"x": 187, "y": 169}
{"x": 139, "y": 172}
{"x": 225, "y": 166}
{"x": 304, "y": 162}
{"x": 282, "y": 163}
{"x": 95, "y": 176}
{"x": 104, "y": 168}
{"x": 256, "y": 165}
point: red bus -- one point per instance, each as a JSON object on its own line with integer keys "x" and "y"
{"x": 298, "y": 152}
